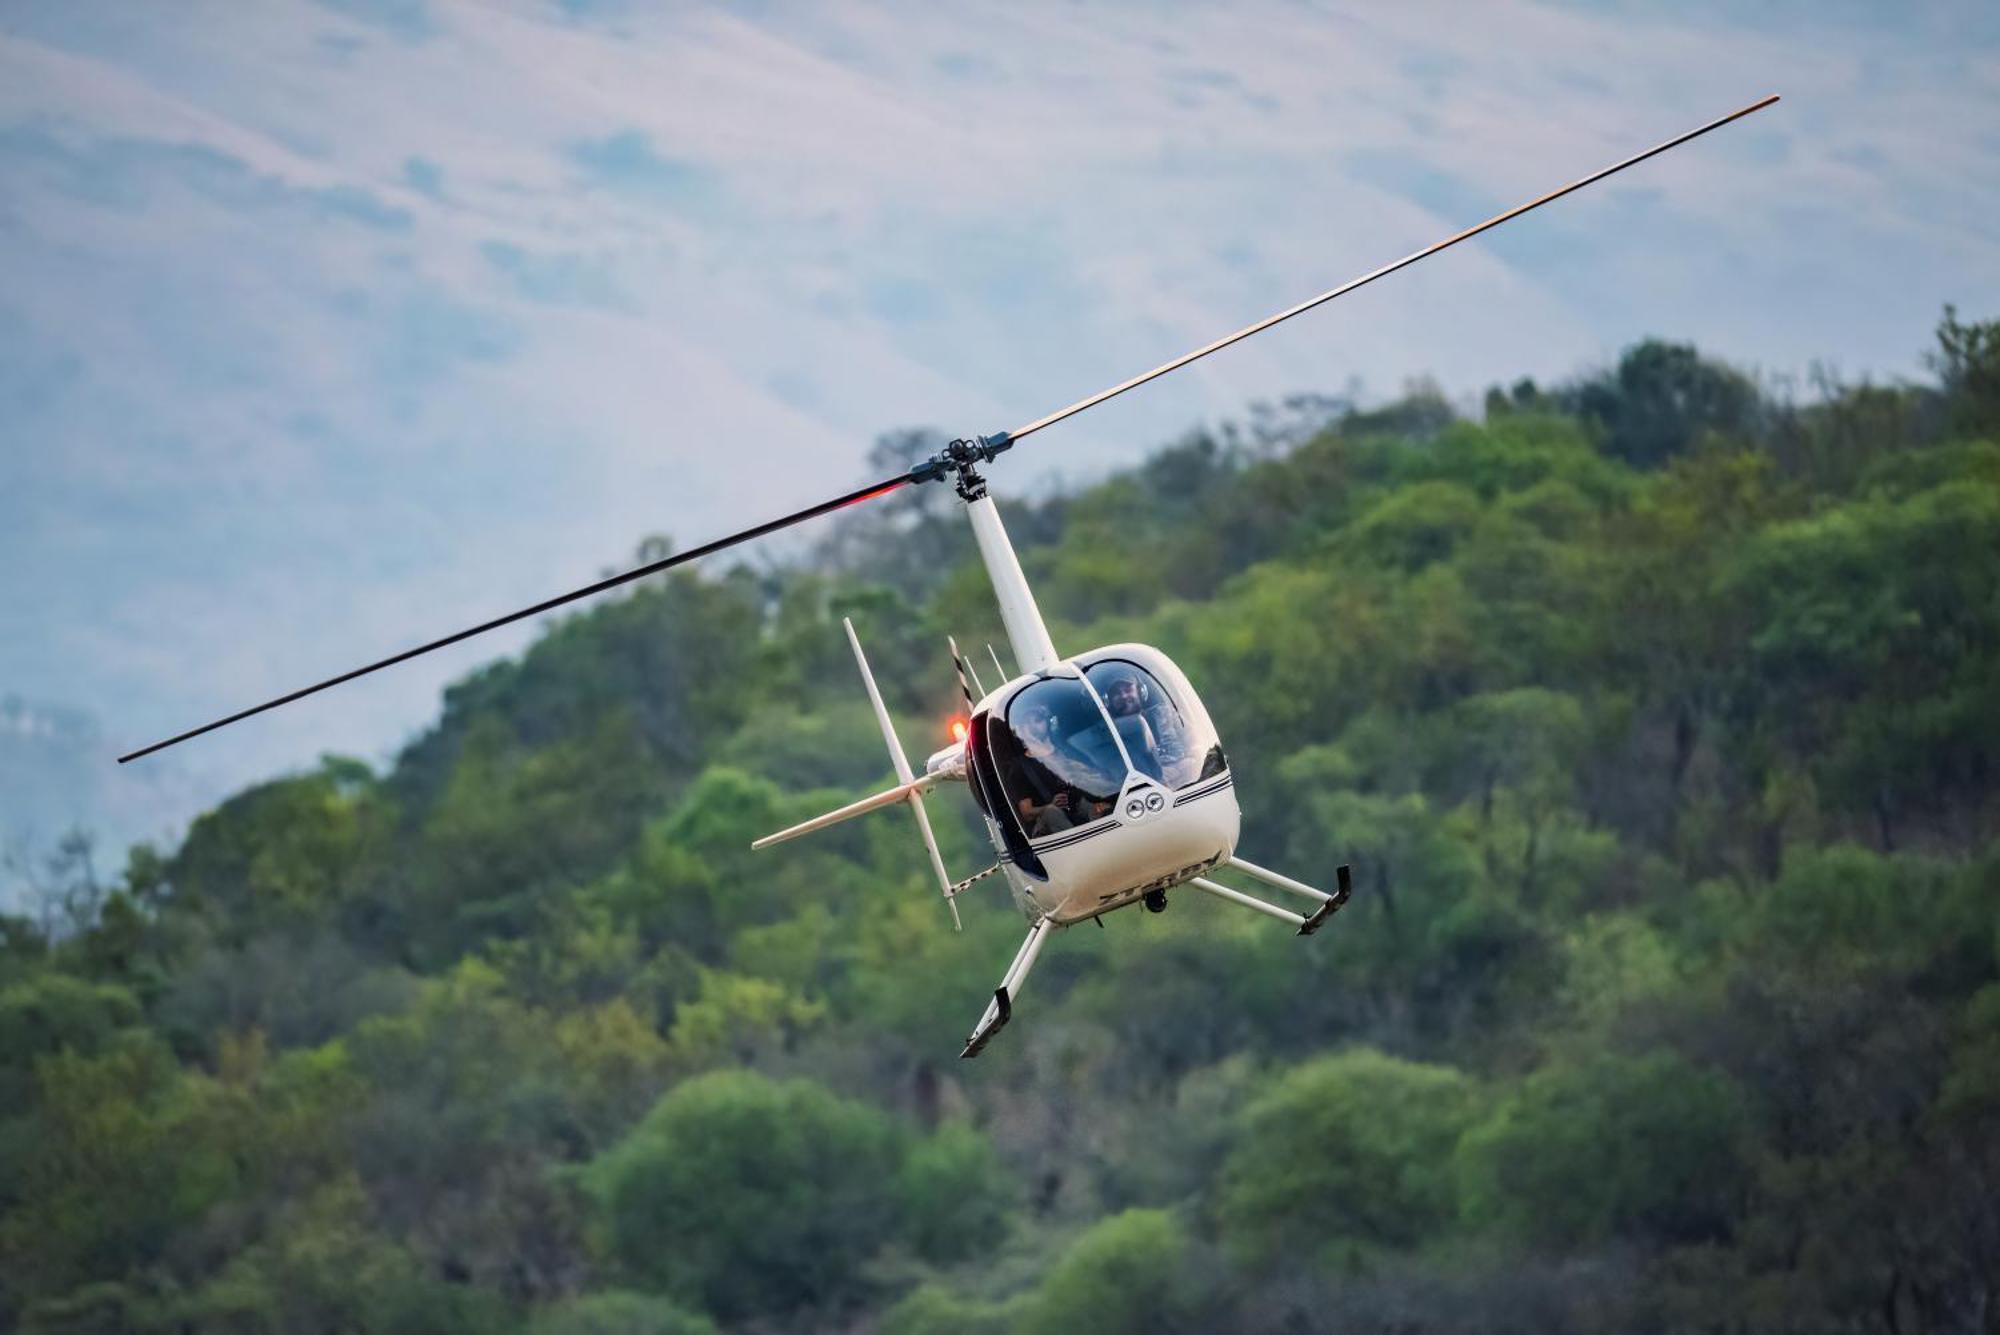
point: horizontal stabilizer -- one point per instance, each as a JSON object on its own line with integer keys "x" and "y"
{"x": 888, "y": 797}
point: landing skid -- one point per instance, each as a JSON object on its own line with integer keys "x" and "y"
{"x": 1343, "y": 889}
{"x": 1324, "y": 905}
{"x": 1001, "y": 1008}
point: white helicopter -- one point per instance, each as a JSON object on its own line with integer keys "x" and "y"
{"x": 1100, "y": 777}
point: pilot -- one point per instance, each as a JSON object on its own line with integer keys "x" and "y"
{"x": 1126, "y": 701}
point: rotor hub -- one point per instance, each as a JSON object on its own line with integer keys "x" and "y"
{"x": 962, "y": 456}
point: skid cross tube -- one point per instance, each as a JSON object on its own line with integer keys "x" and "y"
{"x": 1247, "y": 901}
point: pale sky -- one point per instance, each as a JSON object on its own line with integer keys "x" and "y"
{"x": 326, "y": 328}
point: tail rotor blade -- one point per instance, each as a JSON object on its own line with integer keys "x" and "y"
{"x": 964, "y": 687}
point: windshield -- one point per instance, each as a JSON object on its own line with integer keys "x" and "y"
{"x": 1158, "y": 737}
{"x": 1057, "y": 761}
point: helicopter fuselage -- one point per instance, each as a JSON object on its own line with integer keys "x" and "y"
{"x": 1100, "y": 779}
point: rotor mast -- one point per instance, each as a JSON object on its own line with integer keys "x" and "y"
{"x": 1034, "y": 651}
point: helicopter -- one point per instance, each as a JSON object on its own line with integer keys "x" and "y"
{"x": 1099, "y": 776}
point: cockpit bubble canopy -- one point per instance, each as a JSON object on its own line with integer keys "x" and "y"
{"x": 1062, "y": 748}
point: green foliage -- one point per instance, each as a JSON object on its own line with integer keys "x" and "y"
{"x": 284, "y": 851}
{"x": 1206, "y": 974}
{"x": 1968, "y": 1105}
{"x": 955, "y": 1195}
{"x": 110, "y": 1166}
{"x": 1128, "y": 1273}
{"x": 1610, "y": 1147}
{"x": 323, "y": 1267}
{"x": 1415, "y": 525}
{"x": 1661, "y": 399}
{"x": 510, "y": 827}
{"x": 1876, "y": 648}
{"x": 50, "y": 1013}
{"x": 1614, "y": 963}
{"x": 1543, "y": 462}
{"x": 735, "y": 1019}
{"x": 1344, "y": 1155}
{"x": 1656, "y": 718}
{"x": 1968, "y": 361}
{"x": 1847, "y": 912}
{"x": 932, "y": 1309}
{"x": 832, "y": 746}
{"x": 619, "y": 1312}
{"x": 750, "y": 1197}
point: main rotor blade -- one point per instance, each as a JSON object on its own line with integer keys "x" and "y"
{"x": 1018, "y": 432}
{"x": 678, "y": 558}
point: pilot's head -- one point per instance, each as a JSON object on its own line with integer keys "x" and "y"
{"x": 1036, "y": 722}
{"x": 1122, "y": 695}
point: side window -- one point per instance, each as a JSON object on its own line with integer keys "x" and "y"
{"x": 1055, "y": 757}
{"x": 1156, "y": 734}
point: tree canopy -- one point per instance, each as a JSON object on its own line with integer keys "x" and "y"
{"x": 1658, "y": 715}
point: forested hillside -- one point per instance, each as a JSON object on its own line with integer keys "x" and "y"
{"x": 1660, "y": 721}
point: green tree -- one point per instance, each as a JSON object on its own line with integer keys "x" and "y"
{"x": 324, "y": 1266}
{"x": 50, "y": 1013}
{"x": 1661, "y": 398}
{"x": 117, "y": 1170}
{"x": 1876, "y": 645}
{"x": 1345, "y": 1155}
{"x": 737, "y": 1019}
{"x": 1414, "y": 525}
{"x": 513, "y": 825}
{"x": 954, "y": 1195}
{"x": 750, "y": 1197}
{"x": 1130, "y": 1272}
{"x": 1967, "y": 360}
{"x": 294, "y": 850}
{"x": 619, "y": 1312}
{"x": 933, "y": 1309}
{"x": 1646, "y": 1147}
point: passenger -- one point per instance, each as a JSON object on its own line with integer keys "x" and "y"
{"x": 1050, "y": 805}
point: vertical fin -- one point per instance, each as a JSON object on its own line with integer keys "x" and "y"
{"x": 889, "y": 738}
{"x": 902, "y": 764}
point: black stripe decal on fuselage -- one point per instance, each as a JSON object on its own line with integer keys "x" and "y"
{"x": 1195, "y": 795}
{"x": 1064, "y": 840}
